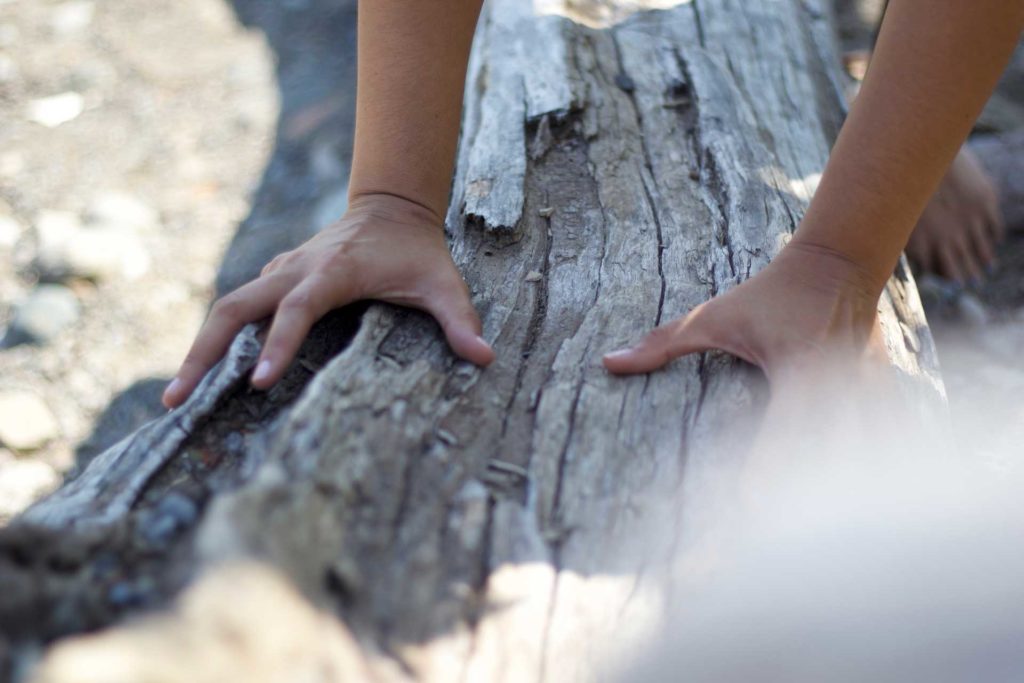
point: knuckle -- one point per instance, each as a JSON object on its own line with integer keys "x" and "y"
{"x": 229, "y": 307}
{"x": 284, "y": 261}
{"x": 659, "y": 336}
{"x": 298, "y": 300}
{"x": 279, "y": 260}
{"x": 339, "y": 258}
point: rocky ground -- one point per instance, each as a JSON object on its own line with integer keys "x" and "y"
{"x": 142, "y": 171}
{"x": 132, "y": 137}
{"x": 153, "y": 154}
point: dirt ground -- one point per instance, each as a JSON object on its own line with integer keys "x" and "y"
{"x": 178, "y": 105}
{"x": 214, "y": 133}
{"x": 210, "y": 122}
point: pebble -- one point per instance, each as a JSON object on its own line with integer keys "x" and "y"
{"x": 11, "y": 163}
{"x": 10, "y": 231}
{"x": 72, "y": 17}
{"x": 38, "y": 319}
{"x": 68, "y": 250}
{"x": 22, "y": 482}
{"x": 121, "y": 211}
{"x": 56, "y": 110}
{"x": 9, "y": 35}
{"x": 8, "y": 69}
{"x": 26, "y": 422}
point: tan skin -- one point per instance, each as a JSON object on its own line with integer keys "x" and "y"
{"x": 957, "y": 234}
{"x": 816, "y": 298}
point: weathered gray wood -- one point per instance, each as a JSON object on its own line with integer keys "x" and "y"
{"x": 106, "y": 491}
{"x": 481, "y": 525}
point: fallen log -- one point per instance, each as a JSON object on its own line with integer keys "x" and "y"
{"x": 618, "y": 165}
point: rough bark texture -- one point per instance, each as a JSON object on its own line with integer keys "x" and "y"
{"x": 617, "y": 167}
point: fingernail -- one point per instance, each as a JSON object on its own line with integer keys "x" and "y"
{"x": 262, "y": 371}
{"x": 173, "y": 387}
{"x": 616, "y": 355}
{"x": 482, "y": 341}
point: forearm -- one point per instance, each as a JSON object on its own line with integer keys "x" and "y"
{"x": 935, "y": 65}
{"x": 412, "y": 57}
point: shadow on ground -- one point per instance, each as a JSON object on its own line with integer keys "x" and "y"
{"x": 304, "y": 186}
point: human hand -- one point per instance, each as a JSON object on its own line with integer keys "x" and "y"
{"x": 384, "y": 248}
{"x": 957, "y": 234}
{"x": 808, "y": 308}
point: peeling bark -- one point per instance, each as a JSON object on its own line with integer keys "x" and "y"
{"x": 457, "y": 521}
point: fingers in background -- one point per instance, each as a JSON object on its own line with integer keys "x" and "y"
{"x": 970, "y": 263}
{"x": 982, "y": 241}
{"x": 950, "y": 266}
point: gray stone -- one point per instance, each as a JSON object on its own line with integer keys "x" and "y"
{"x": 72, "y": 17}
{"x": 9, "y": 35}
{"x": 47, "y": 311}
{"x": 68, "y": 250}
{"x": 10, "y": 231}
{"x": 56, "y": 110}
{"x": 122, "y": 211}
{"x": 26, "y": 422}
{"x": 8, "y": 69}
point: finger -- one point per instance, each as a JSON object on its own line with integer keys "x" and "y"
{"x": 950, "y": 266}
{"x": 969, "y": 263}
{"x": 994, "y": 219}
{"x": 274, "y": 263}
{"x": 298, "y": 310}
{"x": 981, "y": 240}
{"x": 458, "y": 318}
{"x": 228, "y": 315}
{"x": 663, "y": 344}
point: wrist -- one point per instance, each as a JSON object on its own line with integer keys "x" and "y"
{"x": 393, "y": 205}
{"x": 842, "y": 270}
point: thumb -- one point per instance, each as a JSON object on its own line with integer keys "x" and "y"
{"x": 461, "y": 324}
{"x": 686, "y": 335}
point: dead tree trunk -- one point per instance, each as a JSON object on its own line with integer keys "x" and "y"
{"x": 616, "y": 169}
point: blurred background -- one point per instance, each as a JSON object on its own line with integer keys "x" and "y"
{"x": 152, "y": 156}
{"x": 156, "y": 154}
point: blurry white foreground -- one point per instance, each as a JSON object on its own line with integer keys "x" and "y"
{"x": 878, "y": 550}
